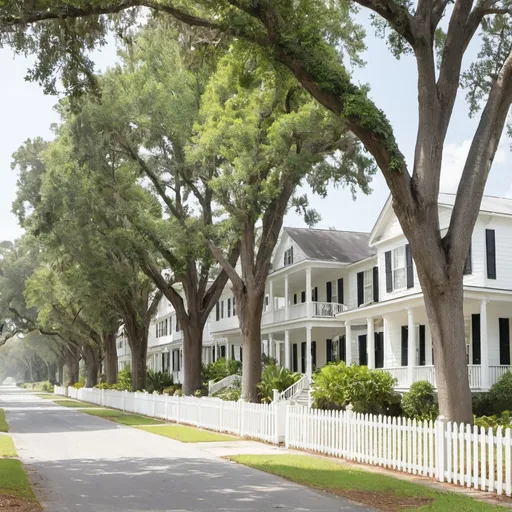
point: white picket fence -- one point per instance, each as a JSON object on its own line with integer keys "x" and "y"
{"x": 265, "y": 422}
{"x": 463, "y": 455}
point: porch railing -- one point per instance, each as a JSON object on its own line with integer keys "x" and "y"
{"x": 495, "y": 372}
{"x": 297, "y": 311}
{"x": 230, "y": 380}
{"x": 400, "y": 374}
{"x": 294, "y": 389}
{"x": 327, "y": 309}
{"x": 427, "y": 373}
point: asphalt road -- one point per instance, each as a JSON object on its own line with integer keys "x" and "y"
{"x": 79, "y": 463}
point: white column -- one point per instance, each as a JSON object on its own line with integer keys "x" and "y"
{"x": 271, "y": 299}
{"x": 216, "y": 350}
{"x": 309, "y": 291}
{"x": 411, "y": 345}
{"x": 286, "y": 298}
{"x": 228, "y": 350}
{"x": 484, "y": 345}
{"x": 387, "y": 341}
{"x": 348, "y": 343}
{"x": 278, "y": 353}
{"x": 270, "y": 345}
{"x": 309, "y": 359}
{"x": 370, "y": 343}
{"x": 287, "y": 350}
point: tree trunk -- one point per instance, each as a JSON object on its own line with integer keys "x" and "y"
{"x": 192, "y": 358}
{"x": 91, "y": 357}
{"x": 61, "y": 373}
{"x": 250, "y": 312}
{"x": 110, "y": 356}
{"x": 446, "y": 321}
{"x": 139, "y": 366}
{"x": 73, "y": 370}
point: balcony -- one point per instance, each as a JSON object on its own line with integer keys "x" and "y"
{"x": 299, "y": 311}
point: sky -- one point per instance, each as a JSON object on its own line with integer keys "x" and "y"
{"x": 27, "y": 113}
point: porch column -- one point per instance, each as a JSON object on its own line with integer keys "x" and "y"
{"x": 216, "y": 350}
{"x": 287, "y": 350}
{"x": 278, "y": 353}
{"x": 286, "y": 298}
{"x": 309, "y": 291}
{"x": 271, "y": 300}
{"x": 484, "y": 345}
{"x": 411, "y": 348}
{"x": 270, "y": 345}
{"x": 228, "y": 351}
{"x": 348, "y": 343}
{"x": 309, "y": 358}
{"x": 371, "y": 343}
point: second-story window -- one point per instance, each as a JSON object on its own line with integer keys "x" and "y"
{"x": 229, "y": 308}
{"x": 368, "y": 286}
{"x": 166, "y": 332}
{"x": 288, "y": 256}
{"x": 399, "y": 272}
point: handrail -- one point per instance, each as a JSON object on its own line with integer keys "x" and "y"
{"x": 294, "y": 389}
{"x": 213, "y": 387}
{"x": 328, "y": 309}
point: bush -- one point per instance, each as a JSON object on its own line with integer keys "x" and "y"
{"x": 47, "y": 386}
{"x": 172, "y": 389}
{"x": 104, "y": 385}
{"x": 494, "y": 421}
{"x": 275, "y": 377}
{"x": 229, "y": 394}
{"x": 500, "y": 395}
{"x": 178, "y": 392}
{"x": 337, "y": 385}
{"x": 482, "y": 405}
{"x": 221, "y": 369}
{"x": 79, "y": 385}
{"x": 419, "y": 403}
{"x": 124, "y": 379}
{"x": 158, "y": 381}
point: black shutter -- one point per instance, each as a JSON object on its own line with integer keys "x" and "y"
{"x": 315, "y": 294}
{"x": 408, "y": 263}
{"x": 405, "y": 345}
{"x": 379, "y": 350}
{"x": 303, "y": 348}
{"x": 468, "y": 265}
{"x": 217, "y": 311}
{"x": 295, "y": 365}
{"x": 328, "y": 351}
{"x": 341, "y": 294}
{"x": 213, "y": 354}
{"x": 363, "y": 350}
{"x": 490, "y": 244}
{"x": 234, "y": 306}
{"x": 233, "y": 352}
{"x": 422, "y": 346}
{"x": 375, "y": 284}
{"x": 504, "y": 341}
{"x": 328, "y": 291}
{"x": 313, "y": 354}
{"x": 229, "y": 307}
{"x": 241, "y": 353}
{"x": 360, "y": 288}
{"x": 475, "y": 332}
{"x": 295, "y": 298}
{"x": 303, "y": 296}
{"x": 389, "y": 272}
{"x": 342, "y": 349}
{"x": 285, "y": 259}
{"x": 291, "y": 255}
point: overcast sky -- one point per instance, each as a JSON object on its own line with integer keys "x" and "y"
{"x": 27, "y": 113}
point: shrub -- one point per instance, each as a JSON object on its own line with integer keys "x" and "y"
{"x": 178, "y": 392}
{"x": 158, "y": 381}
{"x": 419, "y": 403}
{"x": 47, "y": 386}
{"x": 104, "y": 385}
{"x": 482, "y": 405}
{"x": 500, "y": 395}
{"x": 124, "y": 379}
{"x": 172, "y": 389}
{"x": 275, "y": 377}
{"x": 220, "y": 369}
{"x": 503, "y": 420}
{"x": 230, "y": 394}
{"x": 267, "y": 360}
{"x": 79, "y": 385}
{"x": 337, "y": 385}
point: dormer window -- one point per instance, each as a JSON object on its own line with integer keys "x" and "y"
{"x": 288, "y": 256}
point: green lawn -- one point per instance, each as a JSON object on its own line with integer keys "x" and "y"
{"x": 13, "y": 479}
{"x": 3, "y": 424}
{"x": 7, "y": 447}
{"x": 380, "y": 491}
{"x": 131, "y": 420}
{"x": 188, "y": 434}
{"x": 47, "y": 396}
{"x": 74, "y": 403}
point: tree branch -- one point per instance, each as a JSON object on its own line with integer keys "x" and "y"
{"x": 225, "y": 264}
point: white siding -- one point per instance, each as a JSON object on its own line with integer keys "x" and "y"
{"x": 284, "y": 244}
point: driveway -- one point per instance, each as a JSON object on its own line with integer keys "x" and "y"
{"x": 82, "y": 463}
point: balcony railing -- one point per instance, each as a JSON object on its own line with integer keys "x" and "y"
{"x": 297, "y": 311}
{"x": 327, "y": 309}
{"x": 495, "y": 372}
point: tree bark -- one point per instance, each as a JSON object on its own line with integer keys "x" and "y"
{"x": 109, "y": 340}
{"x": 139, "y": 354}
{"x": 91, "y": 358}
{"x": 192, "y": 357}
{"x": 61, "y": 373}
{"x": 250, "y": 311}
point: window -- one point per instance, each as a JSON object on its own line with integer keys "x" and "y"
{"x": 166, "y": 332}
{"x": 334, "y": 291}
{"x": 222, "y": 309}
{"x": 288, "y": 256}
{"x": 399, "y": 271}
{"x": 368, "y": 286}
{"x": 229, "y": 307}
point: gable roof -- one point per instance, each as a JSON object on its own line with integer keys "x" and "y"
{"x": 490, "y": 204}
{"x": 332, "y": 245}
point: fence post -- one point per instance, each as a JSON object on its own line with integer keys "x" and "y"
{"x": 350, "y": 431}
{"x": 287, "y": 426}
{"x": 166, "y": 412}
{"x": 279, "y": 408}
{"x": 242, "y": 419}
{"x": 275, "y": 396}
{"x": 178, "y": 409}
{"x": 441, "y": 447}
{"x": 154, "y": 406}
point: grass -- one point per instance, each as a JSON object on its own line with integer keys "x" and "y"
{"x": 334, "y": 477}
{"x": 74, "y": 403}
{"x": 46, "y": 396}
{"x": 13, "y": 480}
{"x": 188, "y": 434}
{"x": 7, "y": 447}
{"x": 3, "y": 424}
{"x": 131, "y": 420}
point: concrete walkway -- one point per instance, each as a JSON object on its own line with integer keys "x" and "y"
{"x": 82, "y": 463}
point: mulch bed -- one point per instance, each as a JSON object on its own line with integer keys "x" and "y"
{"x": 14, "y": 504}
{"x": 381, "y": 500}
